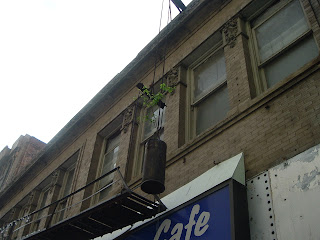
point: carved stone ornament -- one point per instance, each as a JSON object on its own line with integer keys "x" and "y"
{"x": 230, "y": 31}
{"x": 54, "y": 179}
{"x": 30, "y": 197}
{"x": 173, "y": 77}
{"x": 14, "y": 211}
{"x": 127, "y": 118}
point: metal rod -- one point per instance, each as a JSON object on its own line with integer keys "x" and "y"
{"x": 159, "y": 200}
{"x": 95, "y": 220}
{"x": 84, "y": 230}
{"x": 75, "y": 192}
{"x": 123, "y": 181}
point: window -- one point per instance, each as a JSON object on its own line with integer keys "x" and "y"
{"x": 41, "y": 203}
{"x": 66, "y": 175}
{"x": 66, "y": 190}
{"x": 7, "y": 231}
{"x": 283, "y": 42}
{"x": 108, "y": 162}
{"x": 22, "y": 225}
{"x": 149, "y": 128}
{"x": 209, "y": 95}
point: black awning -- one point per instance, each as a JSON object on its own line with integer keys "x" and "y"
{"x": 122, "y": 210}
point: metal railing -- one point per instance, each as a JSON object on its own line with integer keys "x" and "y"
{"x": 8, "y": 230}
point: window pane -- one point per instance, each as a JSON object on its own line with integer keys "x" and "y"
{"x": 67, "y": 188}
{"x": 62, "y": 208}
{"x": 280, "y": 30}
{"x": 109, "y": 163}
{"x": 291, "y": 61}
{"x": 112, "y": 143}
{"x": 151, "y": 127}
{"x": 43, "y": 201}
{"x": 104, "y": 193}
{"x": 212, "y": 110}
{"x": 110, "y": 160}
{"x": 209, "y": 74}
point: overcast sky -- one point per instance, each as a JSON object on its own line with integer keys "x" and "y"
{"x": 55, "y": 55}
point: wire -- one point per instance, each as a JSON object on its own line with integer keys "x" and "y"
{"x": 161, "y": 113}
{"x": 169, "y": 15}
{"x": 166, "y": 41}
{"x": 155, "y": 59}
{"x": 161, "y": 15}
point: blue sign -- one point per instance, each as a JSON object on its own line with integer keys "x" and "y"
{"x": 208, "y": 218}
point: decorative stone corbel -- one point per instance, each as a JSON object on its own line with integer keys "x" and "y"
{"x": 127, "y": 118}
{"x": 14, "y": 213}
{"x": 54, "y": 179}
{"x": 230, "y": 31}
{"x": 173, "y": 77}
{"x": 30, "y": 198}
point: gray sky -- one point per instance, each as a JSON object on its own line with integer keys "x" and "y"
{"x": 55, "y": 55}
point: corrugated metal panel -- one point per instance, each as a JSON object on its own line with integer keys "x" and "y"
{"x": 261, "y": 216}
{"x": 295, "y": 188}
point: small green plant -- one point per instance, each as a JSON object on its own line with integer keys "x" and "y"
{"x": 151, "y": 99}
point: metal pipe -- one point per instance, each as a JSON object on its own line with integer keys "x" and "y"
{"x": 179, "y": 4}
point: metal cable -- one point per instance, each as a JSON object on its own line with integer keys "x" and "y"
{"x": 155, "y": 59}
{"x": 161, "y": 113}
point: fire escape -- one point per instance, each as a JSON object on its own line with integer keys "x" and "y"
{"x": 123, "y": 209}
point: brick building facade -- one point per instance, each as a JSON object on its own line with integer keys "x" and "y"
{"x": 246, "y": 80}
{"x": 14, "y": 161}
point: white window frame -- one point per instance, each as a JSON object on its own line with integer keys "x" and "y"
{"x": 62, "y": 213}
{"x": 103, "y": 153}
{"x": 35, "y": 225}
{"x": 260, "y": 77}
{"x": 194, "y": 103}
{"x": 137, "y": 166}
{"x": 142, "y": 140}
